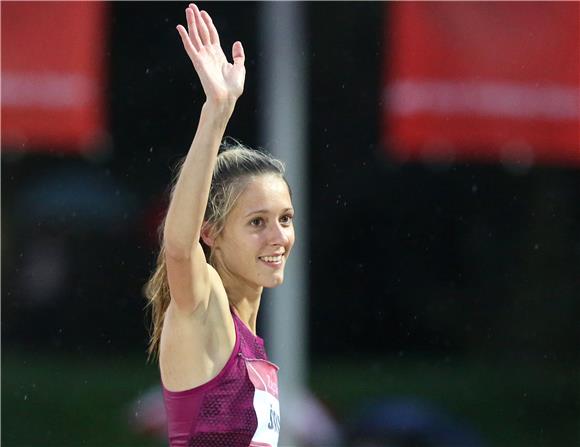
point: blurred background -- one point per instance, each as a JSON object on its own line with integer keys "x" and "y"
{"x": 443, "y": 204}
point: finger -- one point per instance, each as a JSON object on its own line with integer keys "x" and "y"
{"x": 192, "y": 29}
{"x": 186, "y": 40}
{"x": 238, "y": 54}
{"x": 201, "y": 27}
{"x": 213, "y": 34}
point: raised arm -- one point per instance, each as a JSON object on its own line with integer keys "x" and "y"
{"x": 223, "y": 83}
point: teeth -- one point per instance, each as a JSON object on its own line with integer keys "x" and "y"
{"x": 272, "y": 258}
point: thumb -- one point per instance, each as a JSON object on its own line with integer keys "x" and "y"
{"x": 238, "y": 54}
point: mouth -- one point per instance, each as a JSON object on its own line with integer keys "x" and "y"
{"x": 272, "y": 261}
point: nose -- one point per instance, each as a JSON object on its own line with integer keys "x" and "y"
{"x": 279, "y": 235}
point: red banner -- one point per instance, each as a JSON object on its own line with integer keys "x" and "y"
{"x": 484, "y": 81}
{"x": 53, "y": 75}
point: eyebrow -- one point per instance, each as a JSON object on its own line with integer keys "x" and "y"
{"x": 266, "y": 211}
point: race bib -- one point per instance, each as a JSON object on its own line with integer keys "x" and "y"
{"x": 264, "y": 377}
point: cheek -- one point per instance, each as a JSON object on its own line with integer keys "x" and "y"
{"x": 245, "y": 247}
{"x": 291, "y": 237}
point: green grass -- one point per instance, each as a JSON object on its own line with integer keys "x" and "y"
{"x": 509, "y": 405}
{"x": 59, "y": 401}
{"x": 52, "y": 400}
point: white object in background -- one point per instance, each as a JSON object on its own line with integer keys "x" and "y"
{"x": 284, "y": 116}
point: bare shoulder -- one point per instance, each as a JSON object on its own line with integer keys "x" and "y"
{"x": 195, "y": 347}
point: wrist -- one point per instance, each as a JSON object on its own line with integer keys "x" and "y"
{"x": 218, "y": 112}
{"x": 223, "y": 107}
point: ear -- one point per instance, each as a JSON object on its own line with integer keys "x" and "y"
{"x": 207, "y": 234}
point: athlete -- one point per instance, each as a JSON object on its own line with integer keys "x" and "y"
{"x": 227, "y": 235}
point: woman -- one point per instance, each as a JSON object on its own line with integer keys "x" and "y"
{"x": 218, "y": 386}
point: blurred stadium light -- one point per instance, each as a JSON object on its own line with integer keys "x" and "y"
{"x": 53, "y": 75}
{"x": 483, "y": 81}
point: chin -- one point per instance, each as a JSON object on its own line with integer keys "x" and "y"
{"x": 274, "y": 282}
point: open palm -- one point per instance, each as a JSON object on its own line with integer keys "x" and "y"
{"x": 220, "y": 79}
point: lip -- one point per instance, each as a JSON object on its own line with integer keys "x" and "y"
{"x": 273, "y": 265}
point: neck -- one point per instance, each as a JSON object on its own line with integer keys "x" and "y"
{"x": 243, "y": 296}
{"x": 246, "y": 303}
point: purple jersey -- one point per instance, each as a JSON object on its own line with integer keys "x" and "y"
{"x": 237, "y": 408}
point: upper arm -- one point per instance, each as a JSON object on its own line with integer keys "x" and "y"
{"x": 189, "y": 279}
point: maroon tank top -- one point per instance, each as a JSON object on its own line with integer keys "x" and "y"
{"x": 237, "y": 408}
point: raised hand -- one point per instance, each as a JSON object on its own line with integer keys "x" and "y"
{"x": 221, "y": 80}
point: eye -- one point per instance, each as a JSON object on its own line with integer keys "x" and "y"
{"x": 287, "y": 219}
{"x": 256, "y": 222}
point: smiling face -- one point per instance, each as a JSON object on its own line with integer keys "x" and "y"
{"x": 258, "y": 234}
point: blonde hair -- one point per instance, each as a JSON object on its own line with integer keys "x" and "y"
{"x": 234, "y": 166}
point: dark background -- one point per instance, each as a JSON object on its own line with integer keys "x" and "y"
{"x": 449, "y": 264}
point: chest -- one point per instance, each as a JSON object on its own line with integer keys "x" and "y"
{"x": 244, "y": 410}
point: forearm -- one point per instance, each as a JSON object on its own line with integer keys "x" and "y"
{"x": 189, "y": 199}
